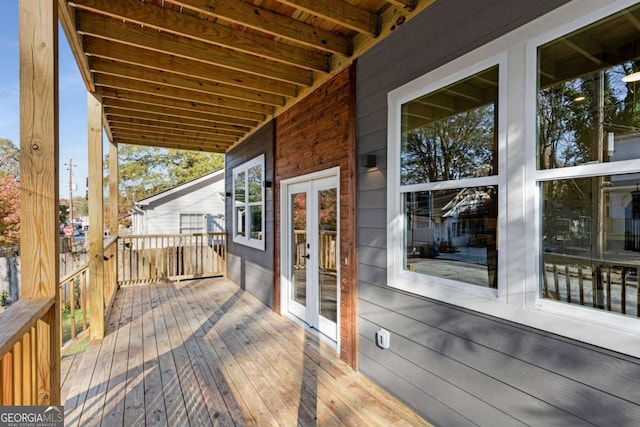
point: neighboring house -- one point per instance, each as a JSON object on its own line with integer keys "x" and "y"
{"x": 530, "y": 316}
{"x": 196, "y": 206}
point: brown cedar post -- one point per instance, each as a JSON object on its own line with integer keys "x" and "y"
{"x": 39, "y": 221}
{"x": 96, "y": 219}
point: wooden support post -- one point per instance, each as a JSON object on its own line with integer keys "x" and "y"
{"x": 113, "y": 212}
{"x": 113, "y": 188}
{"x": 96, "y": 219}
{"x": 39, "y": 151}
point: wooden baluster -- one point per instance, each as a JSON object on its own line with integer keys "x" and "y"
{"x": 580, "y": 284}
{"x": 83, "y": 299}
{"x": 608, "y": 290}
{"x": 556, "y": 284}
{"x": 72, "y": 307}
{"x": 27, "y": 369}
{"x": 567, "y": 282}
{"x": 623, "y": 290}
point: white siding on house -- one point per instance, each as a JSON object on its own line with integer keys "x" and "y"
{"x": 161, "y": 214}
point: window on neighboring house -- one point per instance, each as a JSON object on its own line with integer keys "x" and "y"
{"x": 248, "y": 203}
{"x": 447, "y": 175}
{"x": 588, "y": 167}
{"x": 191, "y": 223}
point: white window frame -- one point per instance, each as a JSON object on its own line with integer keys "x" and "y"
{"x": 191, "y": 214}
{"x": 421, "y": 284}
{"x": 535, "y": 177}
{"x": 518, "y": 296}
{"x": 247, "y": 240}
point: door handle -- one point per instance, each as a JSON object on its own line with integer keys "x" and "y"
{"x": 307, "y": 256}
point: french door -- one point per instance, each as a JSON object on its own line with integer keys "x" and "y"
{"x": 313, "y": 253}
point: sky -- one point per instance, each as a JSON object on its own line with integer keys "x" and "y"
{"x": 72, "y": 94}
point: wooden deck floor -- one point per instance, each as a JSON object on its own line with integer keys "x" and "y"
{"x": 204, "y": 352}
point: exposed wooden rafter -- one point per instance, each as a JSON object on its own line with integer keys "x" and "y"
{"x": 205, "y": 75}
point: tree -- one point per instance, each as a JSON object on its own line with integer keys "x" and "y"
{"x": 145, "y": 171}
{"x": 460, "y": 146}
{"x": 64, "y": 214}
{"x": 9, "y": 159}
{"x": 9, "y": 211}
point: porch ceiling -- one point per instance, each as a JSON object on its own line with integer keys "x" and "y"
{"x": 203, "y": 74}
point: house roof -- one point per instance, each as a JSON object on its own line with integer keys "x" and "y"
{"x": 203, "y": 75}
{"x": 213, "y": 176}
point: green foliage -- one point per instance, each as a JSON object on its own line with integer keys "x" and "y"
{"x": 64, "y": 214}
{"x": 145, "y": 171}
{"x": 4, "y": 298}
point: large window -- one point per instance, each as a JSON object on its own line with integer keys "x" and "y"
{"x": 588, "y": 140}
{"x": 248, "y": 203}
{"x": 448, "y": 182}
{"x": 513, "y": 180}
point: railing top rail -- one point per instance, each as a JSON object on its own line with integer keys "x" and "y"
{"x": 19, "y": 318}
{"x": 75, "y": 272}
{"x": 141, "y": 236}
{"x": 109, "y": 240}
{"x": 586, "y": 260}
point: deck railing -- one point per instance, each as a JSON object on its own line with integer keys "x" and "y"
{"x": 604, "y": 284}
{"x": 27, "y": 339}
{"x": 327, "y": 252}
{"x": 74, "y": 288}
{"x": 153, "y": 258}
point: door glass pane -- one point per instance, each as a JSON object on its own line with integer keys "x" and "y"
{"x": 299, "y": 248}
{"x": 327, "y": 256}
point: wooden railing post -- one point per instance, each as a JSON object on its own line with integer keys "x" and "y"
{"x": 39, "y": 152}
{"x": 96, "y": 219}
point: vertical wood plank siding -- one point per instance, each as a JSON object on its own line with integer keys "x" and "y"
{"x": 251, "y": 268}
{"x": 314, "y": 135}
{"x": 454, "y": 366}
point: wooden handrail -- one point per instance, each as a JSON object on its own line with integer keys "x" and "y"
{"x": 21, "y": 316}
{"x": 74, "y": 273}
{"x": 29, "y": 353}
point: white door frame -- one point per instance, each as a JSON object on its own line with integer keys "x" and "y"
{"x": 285, "y": 226}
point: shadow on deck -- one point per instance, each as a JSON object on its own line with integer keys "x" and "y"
{"x": 204, "y": 352}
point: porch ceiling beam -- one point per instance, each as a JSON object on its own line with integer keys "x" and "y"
{"x": 144, "y": 98}
{"x": 122, "y": 114}
{"x": 390, "y": 20}
{"x": 186, "y": 134}
{"x": 212, "y": 119}
{"x": 134, "y": 35}
{"x": 143, "y": 134}
{"x": 405, "y": 4}
{"x": 67, "y": 18}
{"x": 171, "y": 143}
{"x": 159, "y": 89}
{"x": 186, "y": 25}
{"x": 263, "y": 20}
{"x": 120, "y": 69}
{"x": 189, "y": 67}
{"x": 339, "y": 12}
{"x": 117, "y": 120}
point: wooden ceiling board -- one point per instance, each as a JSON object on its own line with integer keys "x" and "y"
{"x": 197, "y": 72}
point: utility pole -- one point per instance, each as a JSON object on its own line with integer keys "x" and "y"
{"x": 73, "y": 228}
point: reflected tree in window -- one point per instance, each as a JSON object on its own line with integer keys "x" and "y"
{"x": 461, "y": 146}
